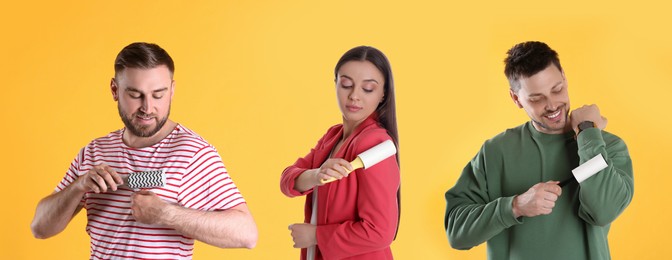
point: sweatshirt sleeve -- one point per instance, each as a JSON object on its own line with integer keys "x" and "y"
{"x": 289, "y": 175}
{"x": 377, "y": 211}
{"x": 606, "y": 194}
{"x": 472, "y": 217}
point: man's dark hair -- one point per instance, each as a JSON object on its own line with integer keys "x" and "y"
{"x": 526, "y": 59}
{"x": 142, "y": 55}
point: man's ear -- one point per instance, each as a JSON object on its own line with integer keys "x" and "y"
{"x": 115, "y": 90}
{"x": 514, "y": 97}
{"x": 172, "y": 89}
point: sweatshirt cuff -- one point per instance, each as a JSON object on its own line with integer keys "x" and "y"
{"x": 506, "y": 212}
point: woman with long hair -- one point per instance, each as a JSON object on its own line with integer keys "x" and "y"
{"x": 356, "y": 216}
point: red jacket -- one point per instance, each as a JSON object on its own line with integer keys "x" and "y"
{"x": 356, "y": 216}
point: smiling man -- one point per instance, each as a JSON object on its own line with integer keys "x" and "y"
{"x": 509, "y": 194}
{"x": 197, "y": 201}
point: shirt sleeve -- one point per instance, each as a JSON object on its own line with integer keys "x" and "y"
{"x": 472, "y": 217}
{"x": 72, "y": 174}
{"x": 207, "y": 185}
{"x": 377, "y": 210}
{"x": 606, "y": 194}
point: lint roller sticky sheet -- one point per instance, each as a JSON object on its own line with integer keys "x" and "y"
{"x": 371, "y": 157}
{"x": 587, "y": 169}
{"x": 146, "y": 179}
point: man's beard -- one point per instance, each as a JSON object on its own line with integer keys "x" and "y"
{"x": 141, "y": 131}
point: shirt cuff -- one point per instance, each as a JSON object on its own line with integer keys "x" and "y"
{"x": 506, "y": 212}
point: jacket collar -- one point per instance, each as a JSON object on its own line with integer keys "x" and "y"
{"x": 371, "y": 120}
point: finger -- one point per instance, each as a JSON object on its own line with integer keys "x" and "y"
{"x": 546, "y": 211}
{"x": 323, "y": 174}
{"x": 93, "y": 186}
{"x": 553, "y": 182}
{"x": 344, "y": 172}
{"x": 98, "y": 181}
{"x": 115, "y": 176}
{"x": 334, "y": 172}
{"x": 553, "y": 188}
{"x": 107, "y": 176}
{"x": 347, "y": 169}
{"x": 345, "y": 164}
{"x": 340, "y": 168}
{"x": 548, "y": 205}
{"x": 290, "y": 226}
{"x": 551, "y": 197}
{"x": 105, "y": 172}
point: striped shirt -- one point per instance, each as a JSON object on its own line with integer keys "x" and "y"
{"x": 195, "y": 178}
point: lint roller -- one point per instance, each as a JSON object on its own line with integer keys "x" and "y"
{"x": 146, "y": 179}
{"x": 370, "y": 157}
{"x": 587, "y": 169}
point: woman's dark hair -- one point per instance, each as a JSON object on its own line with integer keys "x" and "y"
{"x": 386, "y": 110}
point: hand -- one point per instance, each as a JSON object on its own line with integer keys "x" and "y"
{"x": 99, "y": 179}
{"x": 304, "y": 235}
{"x": 334, "y": 167}
{"x": 148, "y": 208}
{"x": 538, "y": 200}
{"x": 587, "y": 113}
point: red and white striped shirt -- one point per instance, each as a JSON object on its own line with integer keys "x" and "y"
{"x": 195, "y": 178}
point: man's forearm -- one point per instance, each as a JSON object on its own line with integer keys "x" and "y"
{"x": 231, "y": 228}
{"x": 55, "y": 211}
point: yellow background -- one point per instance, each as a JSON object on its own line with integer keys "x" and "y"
{"x": 255, "y": 78}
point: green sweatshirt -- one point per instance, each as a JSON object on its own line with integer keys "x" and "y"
{"x": 479, "y": 206}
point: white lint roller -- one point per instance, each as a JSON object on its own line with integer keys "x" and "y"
{"x": 371, "y": 157}
{"x": 587, "y": 169}
{"x": 146, "y": 179}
